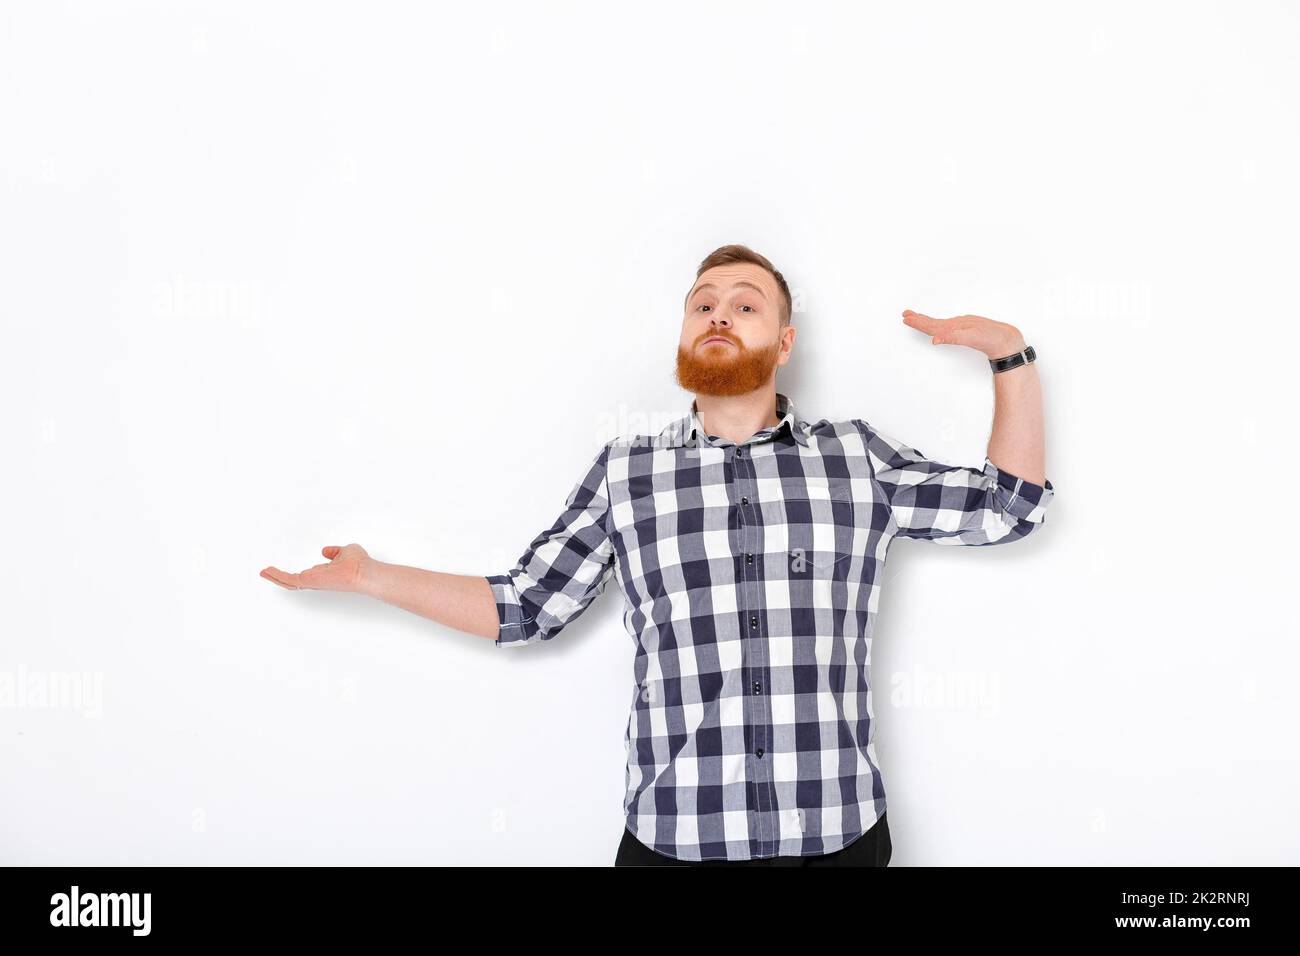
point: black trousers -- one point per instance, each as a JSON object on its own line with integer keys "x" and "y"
{"x": 873, "y": 848}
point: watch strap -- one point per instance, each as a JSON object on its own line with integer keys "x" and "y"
{"x": 1014, "y": 360}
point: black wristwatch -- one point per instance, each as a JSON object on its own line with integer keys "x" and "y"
{"x": 1014, "y": 360}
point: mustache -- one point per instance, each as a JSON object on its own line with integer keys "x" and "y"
{"x": 716, "y": 335}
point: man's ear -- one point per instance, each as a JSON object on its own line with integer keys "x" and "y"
{"x": 787, "y": 343}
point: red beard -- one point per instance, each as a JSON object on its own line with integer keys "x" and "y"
{"x": 725, "y": 369}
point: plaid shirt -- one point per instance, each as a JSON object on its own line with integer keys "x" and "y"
{"x": 751, "y": 574}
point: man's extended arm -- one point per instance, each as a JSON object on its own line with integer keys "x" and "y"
{"x": 461, "y": 601}
{"x": 560, "y": 573}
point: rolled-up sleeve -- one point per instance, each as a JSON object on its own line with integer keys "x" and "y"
{"x": 563, "y": 569}
{"x": 953, "y": 504}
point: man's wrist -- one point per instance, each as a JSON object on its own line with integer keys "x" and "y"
{"x": 1009, "y": 347}
{"x": 368, "y": 576}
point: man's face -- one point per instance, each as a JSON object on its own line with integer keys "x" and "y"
{"x": 741, "y": 305}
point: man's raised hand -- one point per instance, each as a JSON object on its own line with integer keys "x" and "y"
{"x": 994, "y": 339}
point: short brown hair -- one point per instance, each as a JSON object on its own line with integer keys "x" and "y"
{"x": 726, "y": 255}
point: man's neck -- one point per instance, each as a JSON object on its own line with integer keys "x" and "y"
{"x": 737, "y": 418}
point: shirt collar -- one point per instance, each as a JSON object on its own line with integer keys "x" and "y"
{"x": 684, "y": 430}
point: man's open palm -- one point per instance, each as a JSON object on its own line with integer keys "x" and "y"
{"x": 343, "y": 573}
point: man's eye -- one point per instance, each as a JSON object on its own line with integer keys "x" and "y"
{"x": 747, "y": 307}
{"x": 703, "y": 306}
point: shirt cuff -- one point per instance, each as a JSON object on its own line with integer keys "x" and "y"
{"x": 510, "y": 612}
{"x": 1018, "y": 497}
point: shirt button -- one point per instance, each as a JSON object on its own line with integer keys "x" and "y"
{"x": 740, "y": 453}
{"x": 753, "y": 622}
{"x": 757, "y": 687}
{"x": 759, "y": 751}
{"x": 744, "y": 501}
{"x": 749, "y": 559}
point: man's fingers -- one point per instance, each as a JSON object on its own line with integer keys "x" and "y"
{"x": 941, "y": 331}
{"x": 331, "y": 551}
{"x": 925, "y": 323}
{"x": 282, "y": 578}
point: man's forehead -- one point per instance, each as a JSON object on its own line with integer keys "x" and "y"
{"x": 721, "y": 277}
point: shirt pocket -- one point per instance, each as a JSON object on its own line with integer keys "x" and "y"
{"x": 820, "y": 565}
{"x": 820, "y": 590}
{"x": 820, "y": 534}
{"x": 816, "y": 488}
{"x": 820, "y": 515}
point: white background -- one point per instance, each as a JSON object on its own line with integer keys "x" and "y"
{"x": 278, "y": 276}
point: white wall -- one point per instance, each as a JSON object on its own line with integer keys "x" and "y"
{"x": 283, "y": 276}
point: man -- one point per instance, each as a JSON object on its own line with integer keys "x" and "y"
{"x": 750, "y": 546}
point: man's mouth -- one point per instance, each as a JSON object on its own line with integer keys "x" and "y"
{"x": 717, "y": 338}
